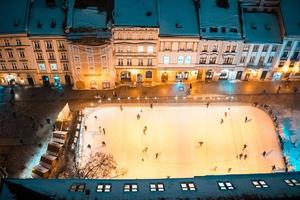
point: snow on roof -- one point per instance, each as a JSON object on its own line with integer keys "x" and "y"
{"x": 219, "y": 23}
{"x": 89, "y": 17}
{"x": 13, "y": 16}
{"x": 178, "y": 18}
{"x": 142, "y": 13}
{"x": 291, "y": 16}
{"x": 206, "y": 187}
{"x": 46, "y": 20}
{"x": 261, "y": 28}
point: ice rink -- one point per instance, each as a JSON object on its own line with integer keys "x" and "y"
{"x": 183, "y": 140}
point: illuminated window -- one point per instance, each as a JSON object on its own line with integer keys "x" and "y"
{"x": 42, "y": 67}
{"x": 130, "y": 188}
{"x": 150, "y": 49}
{"x": 180, "y": 60}
{"x": 260, "y": 184}
{"x": 77, "y": 187}
{"x": 255, "y": 48}
{"x": 225, "y": 185}
{"x": 140, "y": 49}
{"x": 292, "y": 182}
{"x": 166, "y": 60}
{"x": 187, "y": 60}
{"x": 53, "y": 66}
{"x": 157, "y": 187}
{"x": 189, "y": 186}
{"x": 103, "y": 188}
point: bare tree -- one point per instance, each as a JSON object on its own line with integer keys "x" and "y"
{"x": 99, "y": 165}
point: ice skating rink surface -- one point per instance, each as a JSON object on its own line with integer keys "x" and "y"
{"x": 183, "y": 140}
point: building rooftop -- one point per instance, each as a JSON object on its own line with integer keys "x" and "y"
{"x": 253, "y": 186}
{"x": 177, "y": 18}
{"x": 140, "y": 13}
{"x": 219, "y": 21}
{"x": 261, "y": 28}
{"x": 291, "y": 17}
{"x": 13, "y": 16}
{"x": 46, "y": 17}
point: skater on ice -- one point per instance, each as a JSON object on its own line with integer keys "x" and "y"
{"x": 156, "y": 155}
{"x": 103, "y": 131}
{"x": 264, "y": 153}
{"x": 221, "y": 122}
{"x": 121, "y": 107}
{"x": 200, "y": 143}
{"x": 103, "y": 144}
{"x": 138, "y": 116}
{"x": 145, "y": 130}
{"x": 145, "y": 150}
{"x": 246, "y": 119}
{"x": 244, "y": 146}
{"x": 225, "y": 114}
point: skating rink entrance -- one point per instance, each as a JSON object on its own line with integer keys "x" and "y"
{"x": 182, "y": 140}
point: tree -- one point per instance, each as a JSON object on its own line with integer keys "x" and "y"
{"x": 99, "y": 165}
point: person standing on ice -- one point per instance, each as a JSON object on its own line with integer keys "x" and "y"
{"x": 100, "y": 129}
{"x": 85, "y": 127}
{"x": 138, "y": 116}
{"x": 156, "y": 155}
{"x": 207, "y": 104}
{"x": 103, "y": 131}
{"x": 264, "y": 153}
{"x": 200, "y": 143}
{"x": 225, "y": 114}
{"x": 121, "y": 107}
{"x": 244, "y": 146}
{"x": 246, "y": 119}
{"x": 145, "y": 130}
{"x": 95, "y": 117}
{"x": 151, "y": 105}
{"x": 221, "y": 122}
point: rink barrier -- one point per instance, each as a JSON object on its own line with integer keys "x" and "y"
{"x": 269, "y": 111}
{"x": 173, "y": 99}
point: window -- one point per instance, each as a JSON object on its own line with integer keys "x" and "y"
{"x": 252, "y": 58}
{"x": 149, "y": 62}
{"x": 292, "y": 182}
{"x": 288, "y": 44}
{"x": 25, "y": 66}
{"x": 140, "y": 49}
{"x": 166, "y": 60}
{"x": 141, "y": 63}
{"x": 189, "y": 46}
{"x": 285, "y": 54}
{"x": 14, "y": 65}
{"x": 19, "y": 43}
{"x": 167, "y": 46}
{"x": 63, "y": 56}
{"x": 42, "y": 67}
{"x": 150, "y": 49}
{"x": 51, "y": 56}
{"x": 157, "y": 187}
{"x": 3, "y": 66}
{"x": 233, "y": 48}
{"x": 76, "y": 50}
{"x": 6, "y": 42}
{"x": 295, "y": 55}
{"x": 0, "y": 55}
{"x": 130, "y": 188}
{"x": 246, "y": 48}
{"x": 281, "y": 63}
{"x": 103, "y": 188}
{"x": 227, "y": 48}
{"x": 225, "y": 185}
{"x": 228, "y": 60}
{"x": 77, "y": 187}
{"x": 103, "y": 60}
{"x": 76, "y": 59}
{"x": 120, "y": 62}
{"x": 212, "y": 60}
{"x": 129, "y": 62}
{"x": 260, "y": 184}
{"x": 148, "y": 74}
{"x": 90, "y": 60}
{"x": 65, "y": 67}
{"x": 274, "y": 48}
{"x": 265, "y": 48}
{"x": 37, "y": 45}
{"x": 89, "y": 51}
{"x": 205, "y": 47}
{"x": 53, "y": 66}
{"x": 188, "y": 186}
{"x": 261, "y": 60}
{"x": 10, "y": 54}
{"x": 182, "y": 46}
{"x": 180, "y": 60}
{"x": 22, "y": 54}
{"x": 255, "y": 48}
{"x": 61, "y": 44}
{"x": 215, "y": 48}
{"x": 48, "y": 44}
{"x": 202, "y": 60}
{"x": 270, "y": 59}
{"x": 242, "y": 60}
{"x": 187, "y": 60}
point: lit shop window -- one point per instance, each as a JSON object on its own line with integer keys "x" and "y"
{"x": 225, "y": 185}
{"x": 188, "y": 186}
{"x": 103, "y": 188}
{"x": 157, "y": 187}
{"x": 260, "y": 184}
{"x": 130, "y": 188}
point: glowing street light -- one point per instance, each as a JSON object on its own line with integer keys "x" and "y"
{"x": 109, "y": 99}
{"x": 195, "y": 98}
{"x": 176, "y": 98}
